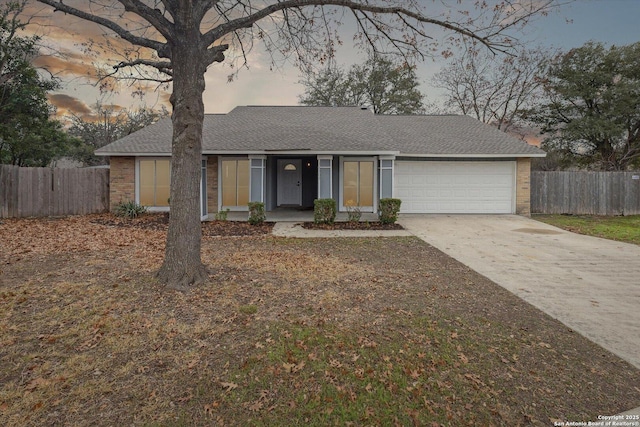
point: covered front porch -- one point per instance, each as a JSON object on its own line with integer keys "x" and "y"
{"x": 289, "y": 183}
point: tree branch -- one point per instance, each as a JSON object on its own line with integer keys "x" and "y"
{"x": 247, "y": 21}
{"x": 127, "y": 35}
{"x": 162, "y": 66}
{"x": 153, "y": 16}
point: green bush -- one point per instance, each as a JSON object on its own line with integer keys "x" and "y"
{"x": 256, "y": 213}
{"x": 388, "y": 210}
{"x": 129, "y": 209}
{"x": 222, "y": 215}
{"x": 324, "y": 211}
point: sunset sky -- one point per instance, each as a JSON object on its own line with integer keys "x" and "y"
{"x": 608, "y": 21}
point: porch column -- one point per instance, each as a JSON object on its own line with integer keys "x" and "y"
{"x": 257, "y": 178}
{"x": 325, "y": 180}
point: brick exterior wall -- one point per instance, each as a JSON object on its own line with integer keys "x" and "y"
{"x": 212, "y": 184}
{"x": 523, "y": 187}
{"x": 122, "y": 180}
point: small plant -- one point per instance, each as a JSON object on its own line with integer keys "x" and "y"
{"x": 222, "y": 215}
{"x": 354, "y": 213}
{"x": 324, "y": 211}
{"x": 388, "y": 210}
{"x": 248, "y": 309}
{"x": 256, "y": 213}
{"x": 129, "y": 209}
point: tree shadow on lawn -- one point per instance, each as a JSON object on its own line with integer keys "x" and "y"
{"x": 287, "y": 331}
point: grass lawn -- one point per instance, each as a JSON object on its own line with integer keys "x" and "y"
{"x": 316, "y": 332}
{"x": 622, "y": 228}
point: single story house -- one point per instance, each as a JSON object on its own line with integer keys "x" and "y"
{"x": 287, "y": 157}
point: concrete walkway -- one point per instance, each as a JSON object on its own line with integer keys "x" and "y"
{"x": 591, "y": 285}
{"x": 294, "y": 229}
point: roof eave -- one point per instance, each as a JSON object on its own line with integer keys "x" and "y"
{"x": 479, "y": 156}
{"x": 315, "y": 152}
{"x": 302, "y": 152}
{"x": 131, "y": 154}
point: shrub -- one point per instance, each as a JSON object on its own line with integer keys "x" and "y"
{"x": 256, "y": 213}
{"x": 129, "y": 209}
{"x": 222, "y": 215}
{"x": 354, "y": 213}
{"x": 388, "y": 210}
{"x": 324, "y": 211}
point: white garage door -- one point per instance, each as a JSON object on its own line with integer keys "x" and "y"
{"x": 455, "y": 187}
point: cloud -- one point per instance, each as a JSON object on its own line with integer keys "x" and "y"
{"x": 62, "y": 67}
{"x": 66, "y": 105}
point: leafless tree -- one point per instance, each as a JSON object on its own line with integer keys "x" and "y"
{"x": 493, "y": 89}
{"x": 181, "y": 38}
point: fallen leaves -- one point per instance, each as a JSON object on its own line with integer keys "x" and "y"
{"x": 36, "y": 383}
{"x": 210, "y": 409}
{"x": 371, "y": 342}
{"x": 75, "y": 234}
{"x": 293, "y": 368}
{"x": 287, "y": 263}
{"x": 228, "y": 386}
{"x": 366, "y": 342}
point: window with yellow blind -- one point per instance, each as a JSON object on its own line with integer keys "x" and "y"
{"x": 235, "y": 182}
{"x": 358, "y": 183}
{"x": 155, "y": 182}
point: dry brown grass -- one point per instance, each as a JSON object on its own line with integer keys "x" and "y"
{"x": 317, "y": 332}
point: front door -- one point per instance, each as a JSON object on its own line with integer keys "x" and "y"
{"x": 289, "y": 182}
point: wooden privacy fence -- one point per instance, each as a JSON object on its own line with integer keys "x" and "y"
{"x": 585, "y": 193}
{"x": 28, "y": 192}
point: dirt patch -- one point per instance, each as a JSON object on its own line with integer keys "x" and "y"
{"x": 377, "y": 331}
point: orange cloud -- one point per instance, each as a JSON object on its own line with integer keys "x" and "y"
{"x": 534, "y": 140}
{"x": 66, "y": 105}
{"x": 62, "y": 67}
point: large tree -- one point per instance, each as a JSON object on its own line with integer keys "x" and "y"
{"x": 181, "y": 38}
{"x": 28, "y": 136}
{"x": 379, "y": 83}
{"x": 592, "y": 113}
{"x": 493, "y": 89}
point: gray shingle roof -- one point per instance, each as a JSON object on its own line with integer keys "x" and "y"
{"x": 337, "y": 130}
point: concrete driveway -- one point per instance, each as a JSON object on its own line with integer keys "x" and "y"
{"x": 591, "y": 285}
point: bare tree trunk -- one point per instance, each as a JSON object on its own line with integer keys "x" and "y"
{"x": 182, "y": 265}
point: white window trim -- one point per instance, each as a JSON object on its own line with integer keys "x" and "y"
{"x": 330, "y": 167}
{"x": 205, "y": 181}
{"x": 374, "y": 208}
{"x": 514, "y": 195}
{"x": 393, "y": 173}
{"x": 231, "y": 208}
{"x": 137, "y": 183}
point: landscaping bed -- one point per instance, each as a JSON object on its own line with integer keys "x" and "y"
{"x": 379, "y": 331}
{"x": 160, "y": 221}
